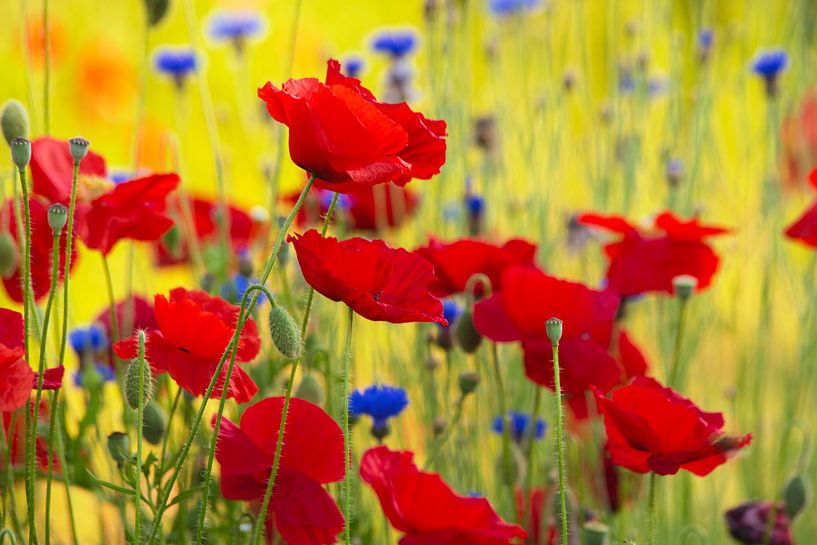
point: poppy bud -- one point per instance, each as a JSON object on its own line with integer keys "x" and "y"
{"x": 119, "y": 446}
{"x": 684, "y": 285}
{"x": 468, "y": 382}
{"x": 596, "y": 533}
{"x": 8, "y": 255}
{"x": 79, "y": 148}
{"x": 310, "y": 389}
{"x": 57, "y": 217}
{"x": 285, "y": 333}
{"x": 554, "y": 329}
{"x": 132, "y": 384}
{"x": 154, "y": 423}
{"x": 14, "y": 121}
{"x": 20, "y": 152}
{"x": 468, "y": 337}
{"x": 795, "y": 495}
{"x": 156, "y": 10}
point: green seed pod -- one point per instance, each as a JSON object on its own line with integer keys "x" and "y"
{"x": 684, "y": 286}
{"x": 468, "y": 382}
{"x": 9, "y": 255}
{"x": 154, "y": 423}
{"x": 20, "y": 152}
{"x": 156, "y": 10}
{"x": 310, "y": 389}
{"x": 285, "y": 333}
{"x": 132, "y": 384}
{"x": 57, "y": 217}
{"x": 14, "y": 121}
{"x": 79, "y": 148}
{"x": 554, "y": 329}
{"x": 795, "y": 495}
{"x": 467, "y": 336}
{"x": 119, "y": 446}
{"x": 595, "y": 533}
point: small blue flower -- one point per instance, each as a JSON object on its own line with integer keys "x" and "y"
{"x": 234, "y": 291}
{"x": 353, "y": 66}
{"x": 451, "y": 311}
{"x": 475, "y": 204}
{"x": 705, "y": 39}
{"x": 520, "y": 423}
{"x": 503, "y": 8}
{"x": 396, "y": 43}
{"x": 768, "y": 64}
{"x": 379, "y": 401}
{"x": 235, "y": 25}
{"x": 177, "y": 62}
{"x": 344, "y": 201}
{"x": 120, "y": 176}
{"x": 88, "y": 339}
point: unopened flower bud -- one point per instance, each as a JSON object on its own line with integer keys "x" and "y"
{"x": 795, "y": 495}
{"x": 79, "y": 148}
{"x": 154, "y": 423}
{"x": 20, "y": 152}
{"x": 596, "y": 533}
{"x": 119, "y": 446}
{"x": 156, "y": 10}
{"x": 467, "y": 335}
{"x": 310, "y": 389}
{"x": 284, "y": 331}
{"x": 57, "y": 217}
{"x": 132, "y": 384}
{"x": 469, "y": 380}
{"x": 554, "y": 329}
{"x": 14, "y": 121}
{"x": 684, "y": 285}
{"x": 9, "y": 256}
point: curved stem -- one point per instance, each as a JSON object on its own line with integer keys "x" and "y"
{"x": 560, "y": 437}
{"x": 347, "y": 438}
{"x": 140, "y": 408}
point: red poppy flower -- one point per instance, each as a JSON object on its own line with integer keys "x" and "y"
{"x": 14, "y": 427}
{"x": 41, "y": 249}
{"x": 301, "y": 510}
{"x": 52, "y": 171}
{"x": 11, "y": 328}
{"x": 341, "y": 134}
{"x": 132, "y": 210}
{"x": 540, "y": 526}
{"x": 141, "y": 317}
{"x": 798, "y": 136}
{"x": 426, "y": 509}
{"x": 760, "y": 523}
{"x": 456, "y": 262}
{"x": 380, "y": 283}
{"x": 651, "y": 428}
{"x": 643, "y": 262}
{"x": 804, "y": 229}
{"x": 194, "y": 329}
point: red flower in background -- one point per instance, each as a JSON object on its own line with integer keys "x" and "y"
{"x": 426, "y": 509}
{"x": 42, "y": 245}
{"x": 587, "y": 355}
{"x": 380, "y": 283}
{"x": 301, "y": 510}
{"x": 760, "y": 523}
{"x": 456, "y": 262}
{"x": 52, "y": 171}
{"x": 14, "y": 427}
{"x": 532, "y": 512}
{"x": 798, "y": 136}
{"x": 137, "y": 312}
{"x": 194, "y": 329}
{"x": 804, "y": 229}
{"x": 341, "y": 134}
{"x": 651, "y": 428}
{"x": 11, "y": 328}
{"x": 132, "y": 210}
{"x": 644, "y": 262}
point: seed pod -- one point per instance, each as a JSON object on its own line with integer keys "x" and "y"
{"x": 14, "y": 121}
{"x": 132, "y": 384}
{"x": 119, "y": 446}
{"x": 554, "y": 329}
{"x": 154, "y": 423}
{"x": 57, "y": 217}
{"x": 795, "y": 495}
{"x": 684, "y": 286}
{"x": 596, "y": 533}
{"x": 285, "y": 333}
{"x": 468, "y": 382}
{"x": 9, "y": 255}
{"x": 78, "y": 147}
{"x": 467, "y": 336}
{"x": 20, "y": 152}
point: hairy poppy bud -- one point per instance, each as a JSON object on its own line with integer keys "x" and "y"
{"x": 795, "y": 495}
{"x": 79, "y": 148}
{"x": 684, "y": 285}
{"x": 14, "y": 121}
{"x": 20, "y": 152}
{"x": 468, "y": 337}
{"x": 119, "y": 446}
{"x": 156, "y": 10}
{"x": 154, "y": 423}
{"x": 469, "y": 380}
{"x": 554, "y": 329}
{"x": 285, "y": 333}
{"x": 132, "y": 384}
{"x": 57, "y": 217}
{"x": 9, "y": 256}
{"x": 596, "y": 533}
{"x": 310, "y": 389}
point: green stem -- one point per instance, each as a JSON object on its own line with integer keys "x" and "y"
{"x": 55, "y": 442}
{"x": 560, "y": 438}
{"x": 444, "y": 437}
{"x": 169, "y": 424}
{"x": 347, "y": 438}
{"x": 651, "y": 514}
{"x": 69, "y": 242}
{"x": 676, "y": 352}
{"x": 140, "y": 408}
{"x": 243, "y": 317}
{"x": 537, "y": 400}
{"x": 507, "y": 469}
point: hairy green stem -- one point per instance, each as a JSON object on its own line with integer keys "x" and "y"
{"x": 675, "y": 370}
{"x": 651, "y": 512}
{"x": 347, "y": 437}
{"x": 560, "y": 438}
{"x": 140, "y": 409}
{"x": 537, "y": 400}
{"x": 507, "y": 468}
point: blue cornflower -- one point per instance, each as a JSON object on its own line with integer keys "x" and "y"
{"x": 451, "y": 311}
{"x": 379, "y": 401}
{"x": 236, "y": 26}
{"x": 120, "y": 176}
{"x": 396, "y": 43}
{"x": 234, "y": 290}
{"x": 475, "y": 204}
{"x": 88, "y": 339}
{"x": 353, "y": 66}
{"x": 768, "y": 64}
{"x": 344, "y": 201}
{"x": 177, "y": 62}
{"x": 502, "y": 8}
{"x": 520, "y": 423}
{"x": 706, "y": 38}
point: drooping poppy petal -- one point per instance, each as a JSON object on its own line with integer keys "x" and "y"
{"x": 52, "y": 171}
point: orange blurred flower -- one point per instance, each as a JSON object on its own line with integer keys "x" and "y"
{"x": 106, "y": 81}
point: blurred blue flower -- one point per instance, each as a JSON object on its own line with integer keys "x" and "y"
{"x": 120, "y": 176}
{"x": 395, "y": 42}
{"x": 768, "y": 64}
{"x": 353, "y": 66}
{"x": 520, "y": 424}
{"x": 344, "y": 201}
{"x": 235, "y": 25}
{"x": 451, "y": 311}
{"x": 104, "y": 371}
{"x": 706, "y": 38}
{"x": 502, "y": 8}
{"x": 177, "y": 62}
{"x": 379, "y": 401}
{"x": 475, "y": 204}
{"x": 88, "y": 339}
{"x": 234, "y": 290}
